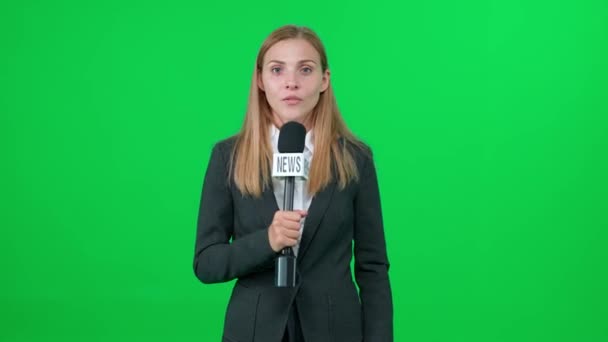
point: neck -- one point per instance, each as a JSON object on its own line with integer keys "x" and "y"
{"x": 279, "y": 123}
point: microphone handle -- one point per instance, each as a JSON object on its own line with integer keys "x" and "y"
{"x": 285, "y": 268}
{"x": 288, "y": 194}
{"x": 289, "y": 189}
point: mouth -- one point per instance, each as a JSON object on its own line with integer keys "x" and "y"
{"x": 291, "y": 100}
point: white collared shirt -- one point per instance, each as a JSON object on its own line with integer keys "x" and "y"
{"x": 301, "y": 199}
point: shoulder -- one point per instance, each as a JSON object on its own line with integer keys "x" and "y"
{"x": 220, "y": 155}
{"x": 225, "y": 146}
{"x": 360, "y": 151}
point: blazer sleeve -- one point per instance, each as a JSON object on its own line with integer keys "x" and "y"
{"x": 371, "y": 260}
{"x": 216, "y": 259}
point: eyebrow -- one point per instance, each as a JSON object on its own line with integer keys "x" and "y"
{"x": 300, "y": 62}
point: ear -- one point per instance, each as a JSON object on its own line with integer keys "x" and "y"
{"x": 259, "y": 81}
{"x": 325, "y": 80}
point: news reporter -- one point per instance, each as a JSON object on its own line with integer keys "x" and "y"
{"x": 241, "y": 227}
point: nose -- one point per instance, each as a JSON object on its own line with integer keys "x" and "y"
{"x": 291, "y": 82}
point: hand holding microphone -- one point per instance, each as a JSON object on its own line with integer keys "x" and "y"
{"x": 284, "y": 231}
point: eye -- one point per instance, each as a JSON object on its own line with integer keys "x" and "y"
{"x": 307, "y": 70}
{"x": 275, "y": 68}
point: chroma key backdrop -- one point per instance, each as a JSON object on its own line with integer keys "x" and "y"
{"x": 488, "y": 120}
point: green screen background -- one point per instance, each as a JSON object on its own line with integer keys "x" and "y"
{"x": 488, "y": 120}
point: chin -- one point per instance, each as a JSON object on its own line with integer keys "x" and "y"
{"x": 286, "y": 117}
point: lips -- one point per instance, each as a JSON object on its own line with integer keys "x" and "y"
{"x": 288, "y": 98}
{"x": 292, "y": 100}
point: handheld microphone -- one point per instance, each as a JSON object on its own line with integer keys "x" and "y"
{"x": 289, "y": 163}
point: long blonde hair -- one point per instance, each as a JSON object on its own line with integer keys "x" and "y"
{"x": 252, "y": 153}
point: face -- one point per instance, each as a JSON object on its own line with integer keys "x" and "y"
{"x": 292, "y": 80}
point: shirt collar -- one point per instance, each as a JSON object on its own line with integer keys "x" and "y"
{"x": 274, "y": 137}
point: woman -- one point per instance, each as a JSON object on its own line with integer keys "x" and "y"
{"x": 241, "y": 228}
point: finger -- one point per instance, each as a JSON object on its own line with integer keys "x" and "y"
{"x": 291, "y": 225}
{"x": 292, "y": 215}
{"x": 290, "y": 242}
{"x": 292, "y": 234}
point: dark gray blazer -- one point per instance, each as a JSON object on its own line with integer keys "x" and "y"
{"x": 329, "y": 306}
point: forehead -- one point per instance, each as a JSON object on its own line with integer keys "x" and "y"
{"x": 291, "y": 51}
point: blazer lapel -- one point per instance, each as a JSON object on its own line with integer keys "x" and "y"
{"x": 267, "y": 205}
{"x": 316, "y": 211}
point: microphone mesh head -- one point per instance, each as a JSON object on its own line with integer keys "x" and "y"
{"x": 292, "y": 137}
